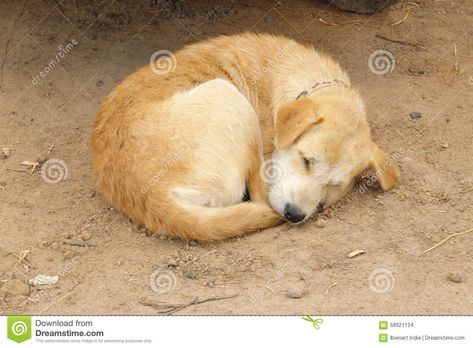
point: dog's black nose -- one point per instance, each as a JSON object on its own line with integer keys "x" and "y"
{"x": 293, "y": 214}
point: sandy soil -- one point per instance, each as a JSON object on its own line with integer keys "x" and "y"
{"x": 432, "y": 46}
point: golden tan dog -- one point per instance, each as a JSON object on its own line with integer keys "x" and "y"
{"x": 177, "y": 151}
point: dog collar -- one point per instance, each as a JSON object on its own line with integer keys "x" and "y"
{"x": 319, "y": 85}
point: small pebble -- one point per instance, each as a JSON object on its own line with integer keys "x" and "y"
{"x": 42, "y": 279}
{"x": 294, "y": 293}
{"x": 6, "y": 151}
{"x": 193, "y": 243}
{"x": 190, "y": 273}
{"x": 455, "y": 277}
{"x": 172, "y": 262}
{"x": 321, "y": 223}
{"x": 84, "y": 235}
{"x": 69, "y": 255}
{"x": 416, "y": 114}
{"x": 444, "y": 145}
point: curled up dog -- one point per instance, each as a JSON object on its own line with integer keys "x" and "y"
{"x": 178, "y": 152}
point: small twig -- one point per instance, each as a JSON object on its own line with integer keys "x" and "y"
{"x": 170, "y": 308}
{"x": 22, "y": 257}
{"x": 226, "y": 283}
{"x": 355, "y": 21}
{"x": 210, "y": 252}
{"x": 402, "y": 20}
{"x": 252, "y": 6}
{"x": 17, "y": 170}
{"x": 327, "y": 23}
{"x": 418, "y": 131}
{"x": 457, "y": 64}
{"x": 304, "y": 278}
{"x": 400, "y": 42}
{"x": 80, "y": 243}
{"x": 409, "y": 5}
{"x": 331, "y": 286}
{"x": 49, "y": 150}
{"x": 447, "y": 239}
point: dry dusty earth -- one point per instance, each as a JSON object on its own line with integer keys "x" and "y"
{"x": 432, "y": 46}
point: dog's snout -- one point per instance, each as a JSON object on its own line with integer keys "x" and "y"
{"x": 293, "y": 214}
{"x": 321, "y": 206}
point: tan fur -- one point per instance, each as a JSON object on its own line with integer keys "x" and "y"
{"x": 293, "y": 120}
{"x": 175, "y": 151}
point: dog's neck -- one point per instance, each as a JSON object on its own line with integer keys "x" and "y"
{"x": 321, "y": 85}
{"x": 280, "y": 76}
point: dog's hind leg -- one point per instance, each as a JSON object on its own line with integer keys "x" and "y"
{"x": 200, "y": 197}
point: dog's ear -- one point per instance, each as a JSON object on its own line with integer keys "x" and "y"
{"x": 293, "y": 119}
{"x": 386, "y": 171}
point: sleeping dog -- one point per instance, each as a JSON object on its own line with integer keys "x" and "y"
{"x": 246, "y": 115}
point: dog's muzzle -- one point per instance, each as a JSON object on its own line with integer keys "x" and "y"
{"x": 293, "y": 214}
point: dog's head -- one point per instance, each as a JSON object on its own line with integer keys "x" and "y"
{"x": 322, "y": 143}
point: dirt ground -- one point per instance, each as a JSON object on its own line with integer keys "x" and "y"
{"x": 285, "y": 270}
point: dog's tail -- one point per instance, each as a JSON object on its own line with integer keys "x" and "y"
{"x": 188, "y": 221}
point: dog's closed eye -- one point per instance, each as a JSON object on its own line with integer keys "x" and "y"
{"x": 308, "y": 161}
